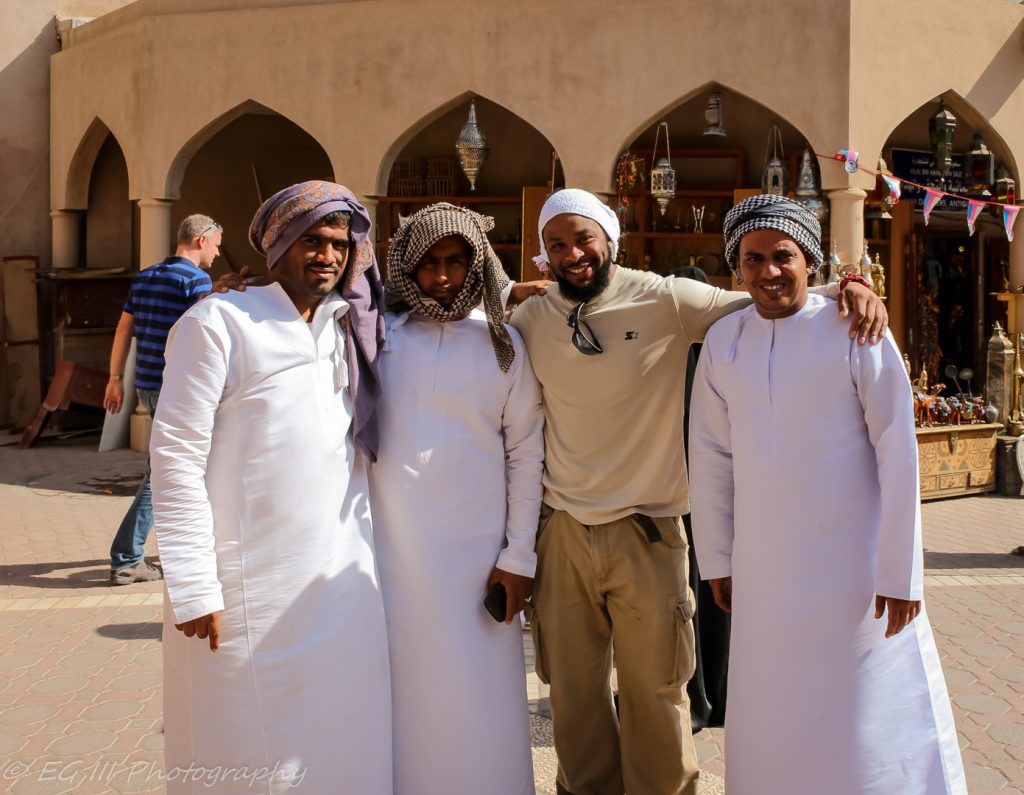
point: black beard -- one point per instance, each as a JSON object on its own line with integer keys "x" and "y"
{"x": 597, "y": 285}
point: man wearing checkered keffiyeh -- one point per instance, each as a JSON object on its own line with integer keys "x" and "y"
{"x": 456, "y": 495}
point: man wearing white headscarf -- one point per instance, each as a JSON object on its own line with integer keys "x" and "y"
{"x": 612, "y": 554}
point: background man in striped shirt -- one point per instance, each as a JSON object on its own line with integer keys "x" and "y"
{"x": 159, "y": 296}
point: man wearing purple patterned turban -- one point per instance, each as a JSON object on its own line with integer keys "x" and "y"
{"x": 266, "y": 425}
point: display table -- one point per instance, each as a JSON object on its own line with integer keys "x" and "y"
{"x": 957, "y": 459}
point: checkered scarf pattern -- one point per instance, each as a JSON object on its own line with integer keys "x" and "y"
{"x": 767, "y": 211}
{"x": 485, "y": 278}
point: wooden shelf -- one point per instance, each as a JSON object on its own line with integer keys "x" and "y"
{"x": 686, "y": 194}
{"x": 496, "y": 246}
{"x": 449, "y": 199}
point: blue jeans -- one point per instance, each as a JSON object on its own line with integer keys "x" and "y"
{"x": 131, "y": 536}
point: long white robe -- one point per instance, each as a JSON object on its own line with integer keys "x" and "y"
{"x": 458, "y": 476}
{"x": 805, "y": 490}
{"x": 261, "y": 511}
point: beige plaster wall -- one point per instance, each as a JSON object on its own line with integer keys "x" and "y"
{"x": 27, "y": 40}
{"x": 588, "y": 75}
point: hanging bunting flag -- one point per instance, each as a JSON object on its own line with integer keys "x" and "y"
{"x": 931, "y": 198}
{"x": 974, "y": 209}
{"x": 1009, "y": 216}
{"x": 850, "y": 159}
{"x": 894, "y": 186}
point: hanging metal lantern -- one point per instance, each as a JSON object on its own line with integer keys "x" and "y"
{"x": 940, "y": 131}
{"x": 713, "y": 119}
{"x": 663, "y": 176}
{"x": 471, "y": 147}
{"x": 774, "y": 179}
{"x": 807, "y": 192}
{"x": 1006, "y": 188}
{"x": 979, "y": 169}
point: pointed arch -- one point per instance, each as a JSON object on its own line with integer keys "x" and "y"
{"x": 437, "y": 114}
{"x": 216, "y": 124}
{"x": 76, "y": 185}
{"x": 689, "y": 106}
{"x": 965, "y": 112}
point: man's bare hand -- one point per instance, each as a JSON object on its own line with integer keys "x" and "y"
{"x": 523, "y": 290}
{"x": 231, "y": 281}
{"x": 113, "y": 397}
{"x": 721, "y": 589}
{"x": 207, "y": 626}
{"x": 517, "y": 587}
{"x": 870, "y": 317}
{"x": 901, "y": 612}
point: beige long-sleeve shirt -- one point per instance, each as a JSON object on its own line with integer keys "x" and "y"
{"x": 614, "y": 421}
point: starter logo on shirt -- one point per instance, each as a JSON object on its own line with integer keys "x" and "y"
{"x": 632, "y": 335}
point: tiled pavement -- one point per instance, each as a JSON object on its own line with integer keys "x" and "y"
{"x": 80, "y": 661}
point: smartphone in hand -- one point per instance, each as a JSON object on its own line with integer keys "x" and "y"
{"x": 496, "y": 602}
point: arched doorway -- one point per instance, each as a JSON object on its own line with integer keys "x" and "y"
{"x": 520, "y": 171}
{"x": 109, "y": 221}
{"x": 940, "y": 299}
{"x": 236, "y": 165}
{"x": 713, "y": 172}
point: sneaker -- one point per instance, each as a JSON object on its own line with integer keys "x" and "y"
{"x": 140, "y": 572}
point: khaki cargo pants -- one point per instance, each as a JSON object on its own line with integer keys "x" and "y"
{"x": 602, "y": 587}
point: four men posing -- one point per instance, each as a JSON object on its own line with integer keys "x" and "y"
{"x": 270, "y": 416}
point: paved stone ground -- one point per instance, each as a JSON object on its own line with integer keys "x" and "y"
{"x": 80, "y": 661}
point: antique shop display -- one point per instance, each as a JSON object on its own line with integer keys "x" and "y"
{"x": 807, "y": 191}
{"x": 663, "y": 176}
{"x": 713, "y": 118}
{"x": 941, "y": 127}
{"x": 774, "y": 179}
{"x": 471, "y": 147}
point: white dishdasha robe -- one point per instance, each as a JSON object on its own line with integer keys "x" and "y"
{"x": 261, "y": 511}
{"x": 803, "y": 470}
{"x": 458, "y": 477}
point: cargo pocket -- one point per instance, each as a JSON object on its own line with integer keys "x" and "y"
{"x": 683, "y": 657}
{"x": 539, "y": 667}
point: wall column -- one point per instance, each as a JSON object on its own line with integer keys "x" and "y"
{"x": 66, "y": 235}
{"x": 846, "y": 223}
{"x": 155, "y": 242}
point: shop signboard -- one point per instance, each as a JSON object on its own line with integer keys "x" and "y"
{"x": 919, "y": 166}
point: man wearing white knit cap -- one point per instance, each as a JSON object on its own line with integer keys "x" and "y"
{"x": 611, "y": 548}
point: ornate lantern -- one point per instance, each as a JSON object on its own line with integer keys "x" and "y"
{"x": 1006, "y": 192}
{"x": 979, "y": 169}
{"x": 807, "y": 192}
{"x": 713, "y": 119}
{"x": 774, "y": 179}
{"x": 663, "y": 176}
{"x": 471, "y": 147}
{"x": 940, "y": 131}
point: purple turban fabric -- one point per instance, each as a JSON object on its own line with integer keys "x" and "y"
{"x": 284, "y": 218}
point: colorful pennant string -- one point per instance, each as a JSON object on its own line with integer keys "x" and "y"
{"x": 1009, "y": 216}
{"x": 932, "y": 197}
{"x": 974, "y": 208}
{"x": 894, "y": 186}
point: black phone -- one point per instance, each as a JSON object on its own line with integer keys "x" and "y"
{"x": 496, "y": 602}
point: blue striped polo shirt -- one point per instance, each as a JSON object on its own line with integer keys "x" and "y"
{"x": 159, "y": 296}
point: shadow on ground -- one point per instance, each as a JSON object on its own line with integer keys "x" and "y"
{"x": 143, "y": 630}
{"x": 80, "y": 574}
{"x": 972, "y": 560}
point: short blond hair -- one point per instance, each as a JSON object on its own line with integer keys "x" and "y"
{"x": 195, "y": 226}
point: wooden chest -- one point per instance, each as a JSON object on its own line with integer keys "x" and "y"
{"x": 957, "y": 459}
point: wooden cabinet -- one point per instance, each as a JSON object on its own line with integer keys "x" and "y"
{"x": 957, "y": 459}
